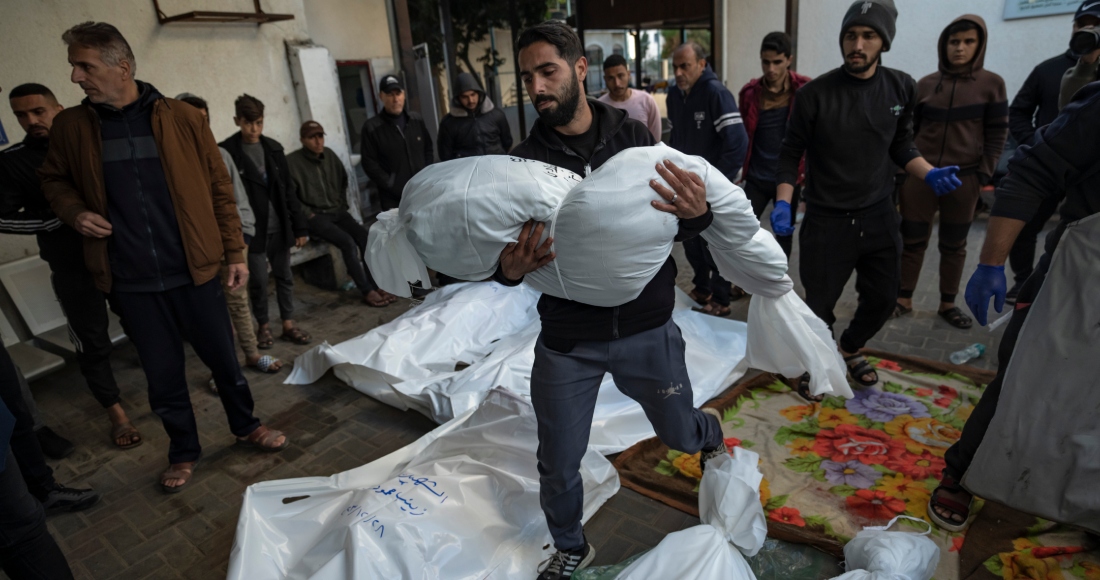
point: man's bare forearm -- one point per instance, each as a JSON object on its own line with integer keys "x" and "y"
{"x": 999, "y": 237}
{"x": 784, "y": 192}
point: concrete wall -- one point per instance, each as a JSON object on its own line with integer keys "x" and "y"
{"x": 215, "y": 61}
{"x": 747, "y": 21}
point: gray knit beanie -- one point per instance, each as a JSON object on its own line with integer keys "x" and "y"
{"x": 881, "y": 15}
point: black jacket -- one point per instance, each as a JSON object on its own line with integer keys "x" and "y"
{"x": 1036, "y": 104}
{"x": 278, "y": 192}
{"x": 391, "y": 157}
{"x": 850, "y": 130}
{"x": 1060, "y": 160}
{"x": 24, "y": 210}
{"x": 465, "y": 134}
{"x": 564, "y": 321}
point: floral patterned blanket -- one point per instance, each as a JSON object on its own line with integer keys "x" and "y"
{"x": 834, "y": 467}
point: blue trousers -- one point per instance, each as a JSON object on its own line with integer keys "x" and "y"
{"x": 648, "y": 367}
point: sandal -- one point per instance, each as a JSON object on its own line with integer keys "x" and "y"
{"x": 295, "y": 335}
{"x": 699, "y": 298}
{"x": 737, "y": 293}
{"x": 803, "y": 389}
{"x": 212, "y": 385}
{"x": 948, "y": 484}
{"x": 900, "y": 311}
{"x": 264, "y": 339}
{"x": 127, "y": 430}
{"x": 182, "y": 471}
{"x": 267, "y": 364}
{"x": 955, "y": 317}
{"x": 859, "y": 369}
{"x": 263, "y": 439}
{"x": 713, "y": 309}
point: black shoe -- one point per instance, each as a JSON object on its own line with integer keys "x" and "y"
{"x": 66, "y": 499}
{"x": 53, "y": 445}
{"x": 1010, "y": 296}
{"x": 564, "y": 564}
{"x": 707, "y": 454}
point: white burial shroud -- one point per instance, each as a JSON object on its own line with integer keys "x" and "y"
{"x": 410, "y": 362}
{"x": 456, "y": 217}
{"x": 460, "y": 502}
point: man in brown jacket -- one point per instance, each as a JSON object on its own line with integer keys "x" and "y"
{"x": 961, "y": 119}
{"x": 140, "y": 176}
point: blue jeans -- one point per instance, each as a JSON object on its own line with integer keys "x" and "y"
{"x": 648, "y": 367}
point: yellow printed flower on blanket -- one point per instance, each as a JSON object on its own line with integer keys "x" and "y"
{"x": 800, "y": 447}
{"x": 831, "y": 418}
{"x": 1026, "y": 566}
{"x": 765, "y": 491}
{"x": 924, "y": 434}
{"x": 914, "y": 493}
{"x": 798, "y": 412}
{"x": 688, "y": 465}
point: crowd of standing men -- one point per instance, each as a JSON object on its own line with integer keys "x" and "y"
{"x": 138, "y": 210}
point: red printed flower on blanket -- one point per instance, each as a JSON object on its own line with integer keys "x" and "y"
{"x": 947, "y": 395}
{"x": 919, "y": 466}
{"x": 731, "y": 442}
{"x": 888, "y": 365}
{"x": 923, "y": 434}
{"x": 787, "y": 515}
{"x": 874, "y": 505}
{"x": 852, "y": 442}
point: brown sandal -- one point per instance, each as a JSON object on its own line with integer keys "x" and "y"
{"x": 264, "y": 338}
{"x": 714, "y": 309}
{"x": 182, "y": 471}
{"x": 699, "y": 297}
{"x": 296, "y": 335}
{"x": 127, "y": 430}
{"x": 264, "y": 440}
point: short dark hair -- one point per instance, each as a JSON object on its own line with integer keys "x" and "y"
{"x": 248, "y": 108}
{"x": 557, "y": 34}
{"x": 615, "y": 60}
{"x": 963, "y": 26}
{"x": 700, "y": 52}
{"x": 105, "y": 38}
{"x": 28, "y": 89}
{"x": 777, "y": 42}
{"x": 197, "y": 102}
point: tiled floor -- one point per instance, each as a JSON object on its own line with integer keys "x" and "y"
{"x": 138, "y": 532}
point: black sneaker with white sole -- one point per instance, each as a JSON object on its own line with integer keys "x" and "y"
{"x": 66, "y": 499}
{"x": 564, "y": 564}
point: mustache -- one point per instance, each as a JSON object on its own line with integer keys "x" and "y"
{"x": 545, "y": 98}
{"x": 854, "y": 54}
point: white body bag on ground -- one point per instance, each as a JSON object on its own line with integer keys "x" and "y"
{"x": 410, "y": 362}
{"x": 733, "y": 528}
{"x": 462, "y": 502}
{"x": 878, "y": 554}
{"x": 456, "y": 217}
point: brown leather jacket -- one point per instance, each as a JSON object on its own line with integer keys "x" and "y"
{"x": 200, "y": 185}
{"x": 961, "y": 116}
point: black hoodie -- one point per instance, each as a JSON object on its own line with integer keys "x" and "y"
{"x": 564, "y": 321}
{"x": 484, "y": 131}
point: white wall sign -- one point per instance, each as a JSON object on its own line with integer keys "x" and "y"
{"x": 1032, "y": 8}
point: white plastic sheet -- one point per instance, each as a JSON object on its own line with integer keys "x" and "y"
{"x": 878, "y": 554}
{"x": 461, "y": 502}
{"x": 729, "y": 501}
{"x": 410, "y": 362}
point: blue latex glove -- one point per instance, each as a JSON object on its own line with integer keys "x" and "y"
{"x": 943, "y": 180}
{"x": 987, "y": 282}
{"x": 781, "y": 219}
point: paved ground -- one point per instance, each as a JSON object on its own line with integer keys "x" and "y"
{"x": 139, "y": 532}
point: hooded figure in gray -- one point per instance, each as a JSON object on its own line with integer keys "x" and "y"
{"x": 474, "y": 126}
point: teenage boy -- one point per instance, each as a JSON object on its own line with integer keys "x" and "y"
{"x": 961, "y": 119}
{"x": 853, "y": 124}
{"x": 240, "y": 313}
{"x": 638, "y": 343}
{"x": 321, "y": 183}
{"x": 639, "y": 105}
{"x": 280, "y": 223}
{"x": 766, "y": 105}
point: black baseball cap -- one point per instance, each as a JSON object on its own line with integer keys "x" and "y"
{"x": 391, "y": 83}
{"x": 1088, "y": 8}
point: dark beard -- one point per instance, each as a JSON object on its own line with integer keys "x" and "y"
{"x": 567, "y": 105}
{"x": 857, "y": 70}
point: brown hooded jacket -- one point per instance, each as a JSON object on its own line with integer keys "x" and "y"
{"x": 961, "y": 116}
